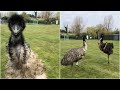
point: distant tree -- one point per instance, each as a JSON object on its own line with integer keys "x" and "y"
{"x": 100, "y": 29}
{"x": 108, "y": 23}
{"x": 26, "y": 16}
{"x": 57, "y": 16}
{"x": 12, "y": 12}
{"x": 31, "y": 15}
{"x": 46, "y": 15}
{"x": 91, "y": 31}
{"x": 77, "y": 25}
{"x": 4, "y": 18}
{"x": 116, "y": 31}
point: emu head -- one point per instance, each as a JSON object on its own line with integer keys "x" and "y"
{"x": 84, "y": 38}
{"x": 101, "y": 37}
{"x": 16, "y": 24}
{"x": 100, "y": 40}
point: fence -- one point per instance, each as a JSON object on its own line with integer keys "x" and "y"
{"x": 106, "y": 37}
{"x": 112, "y": 37}
{"x": 35, "y": 22}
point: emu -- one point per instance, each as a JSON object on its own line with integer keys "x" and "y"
{"x": 17, "y": 47}
{"x": 75, "y": 54}
{"x": 22, "y": 61}
{"x": 106, "y": 48}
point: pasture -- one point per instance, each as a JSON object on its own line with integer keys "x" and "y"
{"x": 94, "y": 64}
{"x": 43, "y": 40}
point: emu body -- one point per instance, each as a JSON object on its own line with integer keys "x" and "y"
{"x": 106, "y": 48}
{"x": 22, "y": 61}
{"x": 17, "y": 47}
{"x": 74, "y": 55}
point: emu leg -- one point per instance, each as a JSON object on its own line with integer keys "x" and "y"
{"x": 108, "y": 59}
{"x": 72, "y": 70}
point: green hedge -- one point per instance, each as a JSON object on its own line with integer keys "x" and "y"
{"x": 71, "y": 37}
{"x": 41, "y": 22}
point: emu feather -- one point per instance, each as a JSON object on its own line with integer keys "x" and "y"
{"x": 74, "y": 55}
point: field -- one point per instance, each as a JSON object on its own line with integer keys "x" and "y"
{"x": 95, "y": 63}
{"x": 43, "y": 39}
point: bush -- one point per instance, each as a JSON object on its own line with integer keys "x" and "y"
{"x": 4, "y": 18}
{"x": 52, "y": 21}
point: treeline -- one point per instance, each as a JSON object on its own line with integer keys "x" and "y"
{"x": 43, "y": 17}
{"x": 77, "y": 28}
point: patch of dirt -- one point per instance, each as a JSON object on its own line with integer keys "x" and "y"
{"x": 33, "y": 69}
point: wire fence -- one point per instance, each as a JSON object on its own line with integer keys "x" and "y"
{"x": 106, "y": 37}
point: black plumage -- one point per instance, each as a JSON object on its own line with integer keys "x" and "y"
{"x": 75, "y": 54}
{"x": 22, "y": 61}
{"x": 107, "y": 48}
{"x": 17, "y": 48}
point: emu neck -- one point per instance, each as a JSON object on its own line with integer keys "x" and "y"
{"x": 17, "y": 40}
{"x": 85, "y": 45}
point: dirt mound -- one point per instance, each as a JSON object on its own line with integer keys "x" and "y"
{"x": 33, "y": 69}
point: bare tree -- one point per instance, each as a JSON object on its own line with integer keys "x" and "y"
{"x": 57, "y": 16}
{"x": 77, "y": 25}
{"x": 46, "y": 15}
{"x": 108, "y": 22}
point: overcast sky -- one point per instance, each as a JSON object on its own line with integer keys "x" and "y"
{"x": 90, "y": 18}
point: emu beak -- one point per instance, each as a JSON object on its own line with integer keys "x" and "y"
{"x": 100, "y": 38}
{"x": 16, "y": 29}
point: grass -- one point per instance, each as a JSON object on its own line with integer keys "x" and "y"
{"x": 95, "y": 63}
{"x": 43, "y": 39}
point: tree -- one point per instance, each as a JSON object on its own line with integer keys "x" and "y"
{"x": 91, "y": 31}
{"x": 11, "y": 13}
{"x": 108, "y": 22}
{"x": 4, "y": 18}
{"x": 100, "y": 29}
{"x": 57, "y": 16}
{"x": 77, "y": 25}
{"x": 26, "y": 16}
{"x": 46, "y": 15}
{"x": 116, "y": 31}
{"x": 0, "y": 15}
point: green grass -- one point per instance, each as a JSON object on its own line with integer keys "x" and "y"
{"x": 95, "y": 63}
{"x": 43, "y": 39}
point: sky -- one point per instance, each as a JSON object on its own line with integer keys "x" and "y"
{"x": 90, "y": 18}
